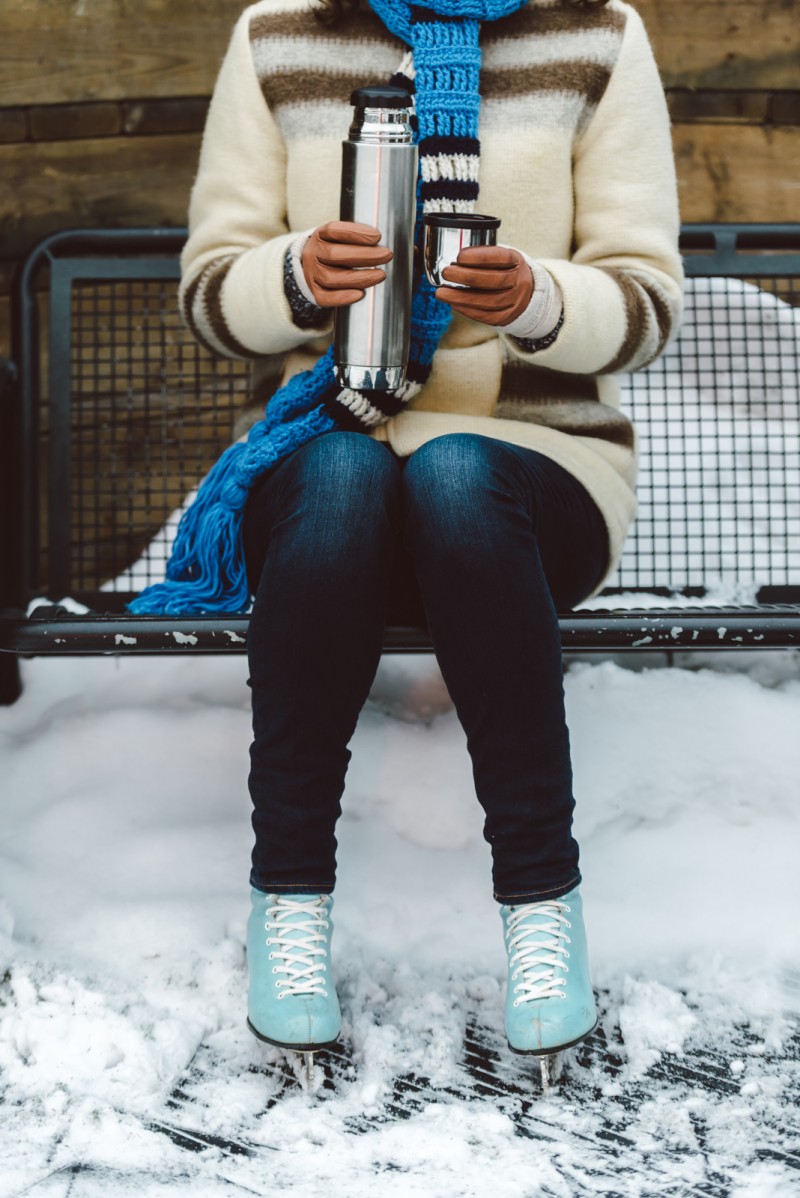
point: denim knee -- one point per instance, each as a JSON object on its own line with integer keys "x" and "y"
{"x": 325, "y": 503}
{"x": 347, "y": 470}
{"x": 456, "y": 464}
{"x": 448, "y": 481}
{"x": 342, "y": 482}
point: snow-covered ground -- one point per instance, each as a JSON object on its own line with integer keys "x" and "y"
{"x": 125, "y": 1063}
{"x": 124, "y": 850}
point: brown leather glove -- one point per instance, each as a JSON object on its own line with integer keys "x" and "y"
{"x": 498, "y": 282}
{"x": 340, "y": 260}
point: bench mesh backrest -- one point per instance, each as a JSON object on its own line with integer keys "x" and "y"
{"x": 719, "y": 423}
{"x": 718, "y": 418}
{"x": 150, "y": 413}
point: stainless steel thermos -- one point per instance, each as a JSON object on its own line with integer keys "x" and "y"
{"x": 379, "y": 183}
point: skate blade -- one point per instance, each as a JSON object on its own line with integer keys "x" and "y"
{"x": 551, "y": 1067}
{"x": 551, "y": 1061}
{"x": 303, "y": 1054}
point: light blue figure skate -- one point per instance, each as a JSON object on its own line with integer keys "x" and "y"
{"x": 292, "y": 1001}
{"x": 549, "y": 1000}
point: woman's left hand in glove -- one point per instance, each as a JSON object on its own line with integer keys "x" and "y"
{"x": 498, "y": 284}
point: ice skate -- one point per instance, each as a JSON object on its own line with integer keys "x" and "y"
{"x": 549, "y": 1001}
{"x": 292, "y": 1001}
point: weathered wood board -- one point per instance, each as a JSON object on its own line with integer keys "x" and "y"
{"x": 56, "y": 51}
{"x": 60, "y": 51}
{"x": 725, "y": 43}
{"x": 738, "y": 172}
{"x": 45, "y": 186}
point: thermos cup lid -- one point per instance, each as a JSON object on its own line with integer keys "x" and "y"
{"x": 460, "y": 220}
{"x": 381, "y": 95}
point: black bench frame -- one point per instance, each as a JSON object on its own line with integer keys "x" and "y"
{"x": 739, "y": 251}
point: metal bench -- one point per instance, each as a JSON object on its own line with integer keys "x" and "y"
{"x": 112, "y": 414}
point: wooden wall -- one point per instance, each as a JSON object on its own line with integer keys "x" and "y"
{"x": 102, "y": 103}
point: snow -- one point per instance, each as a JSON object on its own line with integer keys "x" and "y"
{"x": 124, "y": 857}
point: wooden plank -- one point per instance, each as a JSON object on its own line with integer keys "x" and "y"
{"x": 724, "y": 43}
{"x": 57, "y": 51}
{"x": 13, "y": 124}
{"x": 731, "y": 107}
{"x": 104, "y": 182}
{"x": 737, "y": 172}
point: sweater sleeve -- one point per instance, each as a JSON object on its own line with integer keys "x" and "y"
{"x": 232, "y": 268}
{"x": 622, "y": 287}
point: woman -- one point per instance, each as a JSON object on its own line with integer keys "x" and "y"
{"x": 496, "y": 490}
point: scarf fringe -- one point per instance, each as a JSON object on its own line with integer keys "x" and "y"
{"x": 206, "y": 571}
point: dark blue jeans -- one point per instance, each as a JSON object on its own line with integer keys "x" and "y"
{"x": 485, "y": 540}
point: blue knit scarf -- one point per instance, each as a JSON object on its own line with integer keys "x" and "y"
{"x": 206, "y": 571}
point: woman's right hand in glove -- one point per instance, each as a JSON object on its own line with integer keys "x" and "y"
{"x": 341, "y": 259}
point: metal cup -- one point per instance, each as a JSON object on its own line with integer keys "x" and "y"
{"x": 447, "y": 233}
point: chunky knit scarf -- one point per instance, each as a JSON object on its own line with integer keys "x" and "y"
{"x": 206, "y": 571}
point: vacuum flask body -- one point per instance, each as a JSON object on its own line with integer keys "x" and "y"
{"x": 379, "y": 183}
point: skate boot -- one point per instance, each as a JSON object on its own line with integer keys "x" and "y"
{"x": 549, "y": 1001}
{"x": 292, "y": 1000}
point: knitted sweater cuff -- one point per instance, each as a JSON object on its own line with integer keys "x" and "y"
{"x": 543, "y": 313}
{"x": 306, "y": 314}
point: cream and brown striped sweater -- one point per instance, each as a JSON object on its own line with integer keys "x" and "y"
{"x": 576, "y": 160}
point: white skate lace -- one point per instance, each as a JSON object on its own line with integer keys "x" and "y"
{"x": 536, "y": 964}
{"x": 299, "y": 945}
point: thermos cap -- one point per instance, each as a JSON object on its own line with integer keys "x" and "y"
{"x": 381, "y": 95}
{"x": 460, "y": 220}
